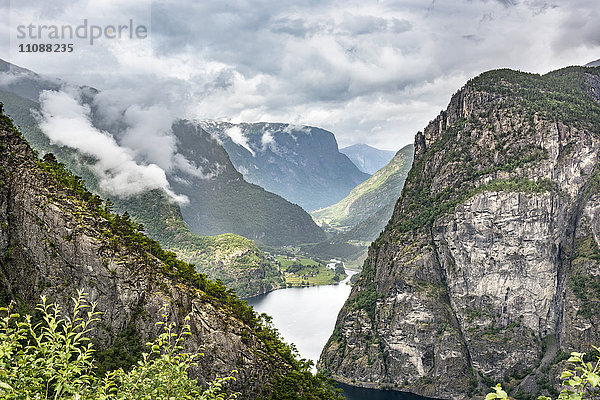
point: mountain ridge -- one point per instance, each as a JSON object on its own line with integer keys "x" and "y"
{"x": 301, "y": 163}
{"x": 486, "y": 270}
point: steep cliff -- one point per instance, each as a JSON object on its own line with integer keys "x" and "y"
{"x": 489, "y": 267}
{"x": 56, "y": 237}
{"x": 300, "y": 163}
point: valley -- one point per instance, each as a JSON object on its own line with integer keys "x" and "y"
{"x": 468, "y": 258}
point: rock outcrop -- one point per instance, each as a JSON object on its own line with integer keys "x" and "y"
{"x": 55, "y": 238}
{"x": 489, "y": 268}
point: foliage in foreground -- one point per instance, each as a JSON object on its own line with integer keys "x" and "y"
{"x": 53, "y": 359}
{"x": 580, "y": 382}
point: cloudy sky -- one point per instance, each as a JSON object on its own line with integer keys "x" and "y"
{"x": 370, "y": 71}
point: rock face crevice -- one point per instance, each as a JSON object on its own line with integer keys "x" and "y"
{"x": 490, "y": 263}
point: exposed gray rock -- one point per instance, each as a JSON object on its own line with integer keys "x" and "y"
{"x": 489, "y": 265}
{"x": 51, "y": 243}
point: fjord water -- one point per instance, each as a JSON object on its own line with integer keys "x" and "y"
{"x": 306, "y": 317}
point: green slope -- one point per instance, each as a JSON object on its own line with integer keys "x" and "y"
{"x": 369, "y": 198}
{"x": 57, "y": 238}
{"x": 231, "y": 258}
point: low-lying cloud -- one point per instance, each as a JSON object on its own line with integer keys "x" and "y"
{"x": 67, "y": 122}
{"x": 238, "y": 137}
{"x": 371, "y": 72}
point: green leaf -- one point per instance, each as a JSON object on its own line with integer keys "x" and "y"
{"x": 573, "y": 382}
{"x": 593, "y": 379}
{"x": 5, "y": 386}
{"x": 566, "y": 374}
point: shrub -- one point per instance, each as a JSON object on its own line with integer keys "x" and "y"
{"x": 580, "y": 382}
{"x": 54, "y": 359}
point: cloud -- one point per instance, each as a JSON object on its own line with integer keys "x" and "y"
{"x": 67, "y": 122}
{"x": 371, "y": 72}
{"x": 237, "y": 136}
{"x": 267, "y": 141}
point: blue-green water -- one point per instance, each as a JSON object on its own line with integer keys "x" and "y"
{"x": 306, "y": 317}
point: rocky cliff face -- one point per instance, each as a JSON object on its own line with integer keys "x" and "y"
{"x": 489, "y": 267}
{"x": 55, "y": 238}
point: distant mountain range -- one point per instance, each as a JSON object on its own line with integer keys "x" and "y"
{"x": 374, "y": 198}
{"x": 225, "y": 203}
{"x": 368, "y": 159}
{"x": 301, "y": 163}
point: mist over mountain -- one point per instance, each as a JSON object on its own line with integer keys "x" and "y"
{"x": 301, "y": 163}
{"x": 126, "y": 152}
{"x": 368, "y": 159}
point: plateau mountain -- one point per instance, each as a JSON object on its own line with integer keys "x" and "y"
{"x": 488, "y": 270}
{"x": 301, "y": 163}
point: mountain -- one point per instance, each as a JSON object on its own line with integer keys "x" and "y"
{"x": 489, "y": 268}
{"x": 380, "y": 191}
{"x": 24, "y": 82}
{"x": 222, "y": 205}
{"x": 593, "y": 64}
{"x": 57, "y": 238}
{"x": 368, "y": 159}
{"x": 227, "y": 203}
{"x": 300, "y": 163}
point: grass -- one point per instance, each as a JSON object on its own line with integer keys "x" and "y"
{"x": 307, "y": 272}
{"x": 368, "y": 197}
